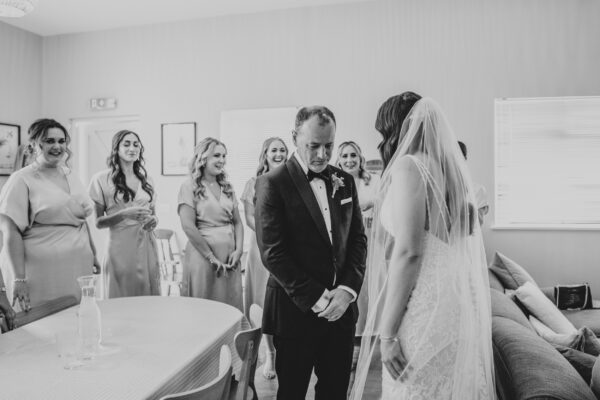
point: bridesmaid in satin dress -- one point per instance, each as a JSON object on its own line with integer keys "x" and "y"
{"x": 351, "y": 160}
{"x": 273, "y": 154}
{"x": 43, "y": 211}
{"x": 208, "y": 210}
{"x": 124, "y": 200}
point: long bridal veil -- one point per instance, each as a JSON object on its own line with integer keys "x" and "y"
{"x": 450, "y": 343}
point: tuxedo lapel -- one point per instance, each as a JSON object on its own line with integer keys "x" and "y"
{"x": 308, "y": 196}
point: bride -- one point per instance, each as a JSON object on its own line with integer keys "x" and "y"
{"x": 429, "y": 306}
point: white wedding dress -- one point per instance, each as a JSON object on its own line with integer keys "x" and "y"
{"x": 429, "y": 332}
{"x": 430, "y": 327}
{"x": 445, "y": 330}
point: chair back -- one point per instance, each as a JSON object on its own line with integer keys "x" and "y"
{"x": 217, "y": 389}
{"x": 169, "y": 258}
{"x": 247, "y": 344}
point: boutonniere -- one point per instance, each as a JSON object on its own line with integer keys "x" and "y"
{"x": 337, "y": 183}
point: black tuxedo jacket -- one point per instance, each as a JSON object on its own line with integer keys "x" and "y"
{"x": 295, "y": 248}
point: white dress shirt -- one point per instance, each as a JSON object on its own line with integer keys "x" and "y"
{"x": 320, "y": 191}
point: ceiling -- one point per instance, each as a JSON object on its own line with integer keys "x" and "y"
{"x": 56, "y": 17}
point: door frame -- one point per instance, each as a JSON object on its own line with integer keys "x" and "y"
{"x": 80, "y": 137}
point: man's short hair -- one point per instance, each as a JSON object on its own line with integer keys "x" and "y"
{"x": 323, "y": 113}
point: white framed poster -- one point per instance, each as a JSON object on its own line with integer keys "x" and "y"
{"x": 178, "y": 141}
{"x": 10, "y": 138}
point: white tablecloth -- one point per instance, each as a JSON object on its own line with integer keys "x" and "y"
{"x": 166, "y": 345}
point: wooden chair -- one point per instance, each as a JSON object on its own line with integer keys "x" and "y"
{"x": 169, "y": 259}
{"x": 217, "y": 389}
{"x": 40, "y": 311}
{"x": 247, "y": 344}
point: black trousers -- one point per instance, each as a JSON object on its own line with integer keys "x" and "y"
{"x": 330, "y": 356}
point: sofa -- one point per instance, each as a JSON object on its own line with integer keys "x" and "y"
{"x": 526, "y": 366}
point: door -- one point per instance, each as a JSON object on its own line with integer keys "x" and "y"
{"x": 91, "y": 143}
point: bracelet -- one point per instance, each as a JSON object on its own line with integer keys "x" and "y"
{"x": 212, "y": 259}
{"x": 388, "y": 338}
{"x": 2, "y": 289}
{"x": 20, "y": 280}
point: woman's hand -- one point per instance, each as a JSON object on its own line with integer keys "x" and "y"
{"x": 150, "y": 223}
{"x": 6, "y": 309}
{"x": 21, "y": 294}
{"x": 139, "y": 214}
{"x": 219, "y": 267}
{"x": 393, "y": 358}
{"x": 367, "y": 205}
{"x": 96, "y": 268}
{"x": 88, "y": 209}
{"x": 234, "y": 258}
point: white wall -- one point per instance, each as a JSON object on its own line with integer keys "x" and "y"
{"x": 464, "y": 53}
{"x": 20, "y": 78}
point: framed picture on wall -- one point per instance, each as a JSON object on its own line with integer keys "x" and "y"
{"x": 10, "y": 138}
{"x": 178, "y": 141}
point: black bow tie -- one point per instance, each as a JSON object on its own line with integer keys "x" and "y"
{"x": 324, "y": 175}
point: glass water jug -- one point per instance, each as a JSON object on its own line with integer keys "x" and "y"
{"x": 89, "y": 318}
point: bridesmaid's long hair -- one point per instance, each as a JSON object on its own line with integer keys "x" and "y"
{"x": 198, "y": 163}
{"x": 362, "y": 172}
{"x": 118, "y": 177}
{"x": 263, "y": 164}
{"x": 38, "y": 132}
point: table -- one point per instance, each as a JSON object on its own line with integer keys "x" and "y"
{"x": 165, "y": 345}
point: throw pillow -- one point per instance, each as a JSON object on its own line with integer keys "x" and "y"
{"x": 543, "y": 309}
{"x": 590, "y": 344}
{"x": 494, "y": 281}
{"x": 583, "y": 363}
{"x": 573, "y": 297}
{"x": 511, "y": 274}
{"x": 512, "y": 294}
{"x": 570, "y": 340}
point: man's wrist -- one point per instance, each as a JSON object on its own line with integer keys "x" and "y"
{"x": 350, "y": 291}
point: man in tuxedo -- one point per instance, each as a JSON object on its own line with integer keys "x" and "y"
{"x": 310, "y": 234}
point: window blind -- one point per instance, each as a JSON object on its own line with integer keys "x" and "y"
{"x": 547, "y": 162}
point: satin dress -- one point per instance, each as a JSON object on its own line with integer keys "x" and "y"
{"x": 130, "y": 264}
{"x": 256, "y": 274}
{"x": 52, "y": 223}
{"x": 214, "y": 220}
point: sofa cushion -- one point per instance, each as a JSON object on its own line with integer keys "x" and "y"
{"x": 511, "y": 274}
{"x": 581, "y": 318}
{"x": 589, "y": 343}
{"x": 529, "y": 368}
{"x": 582, "y": 362}
{"x": 571, "y": 340}
{"x": 494, "y": 281}
{"x": 503, "y": 306}
{"x": 595, "y": 380}
{"x": 543, "y": 309}
{"x": 549, "y": 293}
